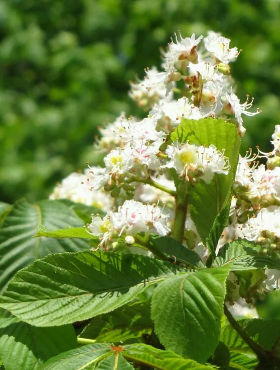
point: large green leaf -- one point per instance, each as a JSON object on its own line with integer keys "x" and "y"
{"x": 23, "y": 346}
{"x": 103, "y": 356}
{"x": 18, "y": 248}
{"x": 208, "y": 200}
{"x": 244, "y": 255}
{"x": 187, "y": 312}
{"x": 68, "y": 287}
{"x": 124, "y": 324}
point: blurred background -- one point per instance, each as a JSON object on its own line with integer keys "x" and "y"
{"x": 66, "y": 66}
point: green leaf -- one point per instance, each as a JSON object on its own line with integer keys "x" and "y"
{"x": 172, "y": 248}
{"x": 68, "y": 287}
{"x": 5, "y": 208}
{"x": 209, "y": 200}
{"x": 124, "y": 324}
{"x": 187, "y": 312}
{"x": 70, "y": 232}
{"x": 18, "y": 247}
{"x": 114, "y": 362}
{"x": 240, "y": 361}
{"x": 83, "y": 211}
{"x": 102, "y": 356}
{"x": 220, "y": 223}
{"x": 23, "y": 346}
{"x": 265, "y": 332}
{"x": 82, "y": 357}
{"x": 158, "y": 359}
{"x": 244, "y": 255}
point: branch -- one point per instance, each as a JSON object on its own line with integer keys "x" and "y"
{"x": 149, "y": 181}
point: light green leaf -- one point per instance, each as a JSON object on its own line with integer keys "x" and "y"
{"x": 173, "y": 248}
{"x": 209, "y": 200}
{"x": 98, "y": 355}
{"x": 83, "y": 357}
{"x": 68, "y": 287}
{"x": 23, "y": 346}
{"x": 241, "y": 361}
{"x": 244, "y": 255}
{"x": 114, "y": 362}
{"x": 70, "y": 232}
{"x": 158, "y": 359}
{"x": 187, "y": 312}
{"x": 124, "y": 324}
{"x": 19, "y": 248}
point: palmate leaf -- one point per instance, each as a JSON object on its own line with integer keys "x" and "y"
{"x": 83, "y": 211}
{"x": 68, "y": 287}
{"x": 103, "y": 356}
{"x": 244, "y": 255}
{"x": 209, "y": 200}
{"x": 18, "y": 248}
{"x": 23, "y": 346}
{"x": 123, "y": 325}
{"x": 187, "y": 312}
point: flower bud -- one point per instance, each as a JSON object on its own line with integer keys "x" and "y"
{"x": 115, "y": 192}
{"x": 273, "y": 162}
{"x": 129, "y": 240}
{"x": 224, "y": 68}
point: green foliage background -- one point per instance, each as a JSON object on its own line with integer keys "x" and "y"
{"x": 65, "y": 68}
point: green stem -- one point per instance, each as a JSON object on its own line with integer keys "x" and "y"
{"x": 86, "y": 341}
{"x": 153, "y": 183}
{"x": 260, "y": 352}
{"x": 180, "y": 217}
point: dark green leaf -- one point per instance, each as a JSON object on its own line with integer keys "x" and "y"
{"x": 23, "y": 346}
{"x": 172, "y": 248}
{"x": 68, "y": 287}
{"x": 5, "y": 208}
{"x": 220, "y": 223}
{"x": 187, "y": 312}
{"x": 18, "y": 247}
{"x": 124, "y": 324}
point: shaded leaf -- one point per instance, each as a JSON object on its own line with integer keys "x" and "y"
{"x": 23, "y": 346}
{"x": 173, "y": 248}
{"x": 18, "y": 248}
{"x": 187, "y": 312}
{"x": 68, "y": 287}
{"x": 124, "y": 324}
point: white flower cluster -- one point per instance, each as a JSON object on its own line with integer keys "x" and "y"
{"x": 202, "y": 65}
{"x": 131, "y": 218}
{"x": 76, "y": 187}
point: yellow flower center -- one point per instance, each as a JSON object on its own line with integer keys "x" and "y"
{"x": 105, "y": 226}
{"x": 116, "y": 160}
{"x": 187, "y": 157}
